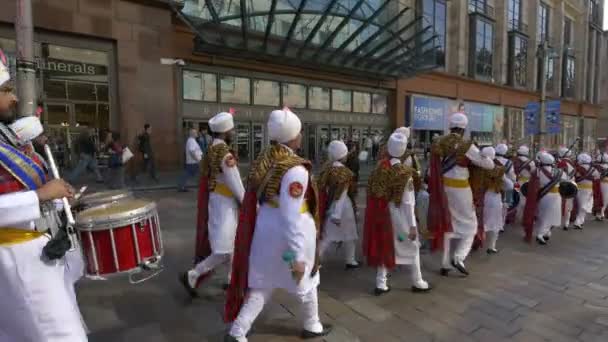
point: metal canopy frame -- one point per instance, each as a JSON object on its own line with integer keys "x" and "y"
{"x": 387, "y": 48}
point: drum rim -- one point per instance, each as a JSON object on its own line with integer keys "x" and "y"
{"x": 120, "y": 273}
{"x": 116, "y": 220}
{"x": 97, "y": 198}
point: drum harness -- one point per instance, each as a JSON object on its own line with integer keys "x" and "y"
{"x": 554, "y": 178}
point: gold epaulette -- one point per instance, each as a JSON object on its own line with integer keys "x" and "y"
{"x": 493, "y": 180}
{"x": 451, "y": 144}
{"x": 338, "y": 178}
{"x": 388, "y": 182}
{"x": 401, "y": 177}
{"x": 211, "y": 165}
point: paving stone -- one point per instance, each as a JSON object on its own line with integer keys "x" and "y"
{"x": 528, "y": 336}
{"x": 367, "y": 308}
{"x": 483, "y": 335}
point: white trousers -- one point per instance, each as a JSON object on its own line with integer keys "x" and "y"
{"x": 492, "y": 238}
{"x": 213, "y": 261}
{"x": 257, "y": 298}
{"x": 465, "y": 242}
{"x": 568, "y": 212}
{"x": 349, "y": 250}
{"x": 416, "y": 274}
{"x": 580, "y": 217}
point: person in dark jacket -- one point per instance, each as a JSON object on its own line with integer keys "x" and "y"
{"x": 145, "y": 147}
{"x": 87, "y": 150}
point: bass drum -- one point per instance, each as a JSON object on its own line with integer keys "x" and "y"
{"x": 102, "y": 197}
{"x": 524, "y": 189}
{"x": 515, "y": 199}
{"x": 568, "y": 189}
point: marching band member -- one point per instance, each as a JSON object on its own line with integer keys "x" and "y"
{"x": 221, "y": 192}
{"x": 567, "y": 165}
{"x": 602, "y": 186}
{"x": 391, "y": 234}
{"x": 337, "y": 188}
{"x": 451, "y": 212}
{"x": 586, "y": 174}
{"x": 524, "y": 168}
{"x": 501, "y": 157}
{"x": 279, "y": 250}
{"x": 34, "y": 294}
{"x": 495, "y": 183}
{"x": 543, "y": 203}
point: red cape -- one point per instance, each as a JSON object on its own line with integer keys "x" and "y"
{"x": 323, "y": 207}
{"x": 439, "y": 220}
{"x": 235, "y": 296}
{"x": 203, "y": 247}
{"x": 478, "y": 201}
{"x": 598, "y": 199}
{"x": 531, "y": 207}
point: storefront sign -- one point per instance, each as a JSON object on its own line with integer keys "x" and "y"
{"x": 482, "y": 117}
{"x": 531, "y": 117}
{"x": 429, "y": 113}
{"x": 63, "y": 67}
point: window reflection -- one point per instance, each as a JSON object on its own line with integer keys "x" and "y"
{"x": 294, "y": 95}
{"x": 379, "y": 104}
{"x": 341, "y": 100}
{"x": 362, "y": 102}
{"x": 266, "y": 93}
{"x": 235, "y": 89}
{"x": 86, "y": 114}
{"x": 318, "y": 98}
{"x": 81, "y": 91}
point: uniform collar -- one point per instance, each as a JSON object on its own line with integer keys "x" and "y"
{"x": 395, "y": 161}
{"x": 217, "y": 141}
{"x": 337, "y": 163}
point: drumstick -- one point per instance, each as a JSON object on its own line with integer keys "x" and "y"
{"x": 66, "y": 204}
{"x": 80, "y": 192}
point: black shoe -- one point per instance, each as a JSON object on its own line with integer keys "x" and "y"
{"x": 183, "y": 279}
{"x": 380, "y": 292}
{"x": 577, "y": 227}
{"x": 460, "y": 267}
{"x": 352, "y": 266}
{"x": 230, "y": 338}
{"x": 444, "y": 271}
{"x": 541, "y": 241}
{"x": 421, "y": 290}
{"x": 547, "y": 238}
{"x": 309, "y": 334}
{"x": 225, "y": 287}
{"x": 565, "y": 228}
{"x": 492, "y": 251}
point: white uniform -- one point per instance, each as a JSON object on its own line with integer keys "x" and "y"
{"x": 524, "y": 177}
{"x": 494, "y": 210}
{"x": 584, "y": 197}
{"x": 462, "y": 211}
{"x": 36, "y": 305}
{"x": 280, "y": 230}
{"x": 407, "y": 252}
{"x": 569, "y": 203}
{"x": 343, "y": 211}
{"x": 604, "y": 188}
{"x": 549, "y": 206}
{"x": 223, "y": 219}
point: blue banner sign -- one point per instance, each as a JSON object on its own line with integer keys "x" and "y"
{"x": 531, "y": 117}
{"x": 553, "y": 116}
{"x": 429, "y": 113}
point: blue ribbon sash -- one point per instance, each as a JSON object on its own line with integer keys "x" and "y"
{"x": 22, "y": 167}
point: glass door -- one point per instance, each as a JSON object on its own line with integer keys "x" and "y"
{"x": 258, "y": 142}
{"x": 58, "y": 118}
{"x": 243, "y": 142}
{"x": 323, "y": 139}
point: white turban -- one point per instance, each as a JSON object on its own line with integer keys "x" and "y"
{"x": 403, "y": 130}
{"x": 397, "y": 144}
{"x": 502, "y": 149}
{"x": 546, "y": 158}
{"x": 337, "y": 150}
{"x": 283, "y": 125}
{"x": 562, "y": 151}
{"x": 488, "y": 152}
{"x": 4, "y": 73}
{"x": 27, "y": 128}
{"x": 523, "y": 150}
{"x": 458, "y": 120}
{"x": 584, "y": 158}
{"x": 221, "y": 122}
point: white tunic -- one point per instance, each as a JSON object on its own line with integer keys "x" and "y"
{"x": 223, "y": 210}
{"x": 36, "y": 306}
{"x": 460, "y": 200}
{"x": 510, "y": 174}
{"x": 585, "y": 192}
{"x": 341, "y": 210}
{"x": 524, "y": 176}
{"x": 604, "y": 187}
{"x": 403, "y": 218}
{"x": 280, "y": 230}
{"x": 550, "y": 206}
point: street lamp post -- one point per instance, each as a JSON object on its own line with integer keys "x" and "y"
{"x": 26, "y": 66}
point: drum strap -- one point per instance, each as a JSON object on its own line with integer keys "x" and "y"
{"x": 448, "y": 163}
{"x": 554, "y": 179}
{"x": 523, "y": 166}
{"x": 586, "y": 176}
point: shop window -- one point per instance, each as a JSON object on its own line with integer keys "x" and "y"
{"x": 569, "y": 77}
{"x": 102, "y": 92}
{"x": 567, "y": 31}
{"x": 589, "y": 134}
{"x": 518, "y": 60}
{"x": 362, "y": 102}
{"x": 81, "y": 91}
{"x": 235, "y": 89}
{"x": 103, "y": 116}
{"x": 86, "y": 114}
{"x": 549, "y": 75}
{"x": 379, "y": 104}
{"x": 341, "y": 100}
{"x": 482, "y": 49}
{"x": 58, "y": 114}
{"x": 266, "y": 93}
{"x": 542, "y": 28}
{"x": 514, "y": 15}
{"x": 55, "y": 89}
{"x": 318, "y": 98}
{"x": 199, "y": 86}
{"x": 294, "y": 95}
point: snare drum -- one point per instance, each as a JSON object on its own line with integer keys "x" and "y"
{"x": 120, "y": 237}
{"x": 103, "y": 197}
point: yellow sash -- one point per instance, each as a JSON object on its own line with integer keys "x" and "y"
{"x": 554, "y": 190}
{"x": 13, "y": 236}
{"x": 456, "y": 183}
{"x": 223, "y": 189}
{"x": 586, "y": 186}
{"x": 303, "y": 209}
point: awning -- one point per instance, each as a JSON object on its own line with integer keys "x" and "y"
{"x": 370, "y": 38}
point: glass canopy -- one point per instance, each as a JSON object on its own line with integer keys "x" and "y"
{"x": 373, "y": 38}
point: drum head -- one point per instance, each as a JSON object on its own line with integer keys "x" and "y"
{"x": 103, "y": 197}
{"x": 568, "y": 190}
{"x": 524, "y": 189}
{"x": 114, "y": 214}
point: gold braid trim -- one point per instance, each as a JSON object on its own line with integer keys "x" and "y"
{"x": 451, "y": 144}
{"x": 493, "y": 180}
{"x": 338, "y": 179}
{"x": 389, "y": 183}
{"x": 401, "y": 177}
{"x": 211, "y": 165}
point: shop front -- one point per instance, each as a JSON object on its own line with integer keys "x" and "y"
{"x": 74, "y": 87}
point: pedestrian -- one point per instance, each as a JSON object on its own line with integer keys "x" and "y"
{"x": 451, "y": 157}
{"x": 495, "y": 183}
{"x": 87, "y": 149}
{"x": 114, "y": 146}
{"x": 278, "y": 251}
{"x": 221, "y": 193}
{"x": 193, "y": 158}
{"x": 352, "y": 159}
{"x": 145, "y": 148}
{"x": 204, "y": 139}
{"x": 510, "y": 177}
{"x": 337, "y": 188}
{"x": 586, "y": 174}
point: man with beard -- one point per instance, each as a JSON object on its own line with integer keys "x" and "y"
{"x": 34, "y": 294}
{"x": 220, "y": 195}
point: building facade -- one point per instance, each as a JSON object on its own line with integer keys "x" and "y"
{"x": 351, "y": 69}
